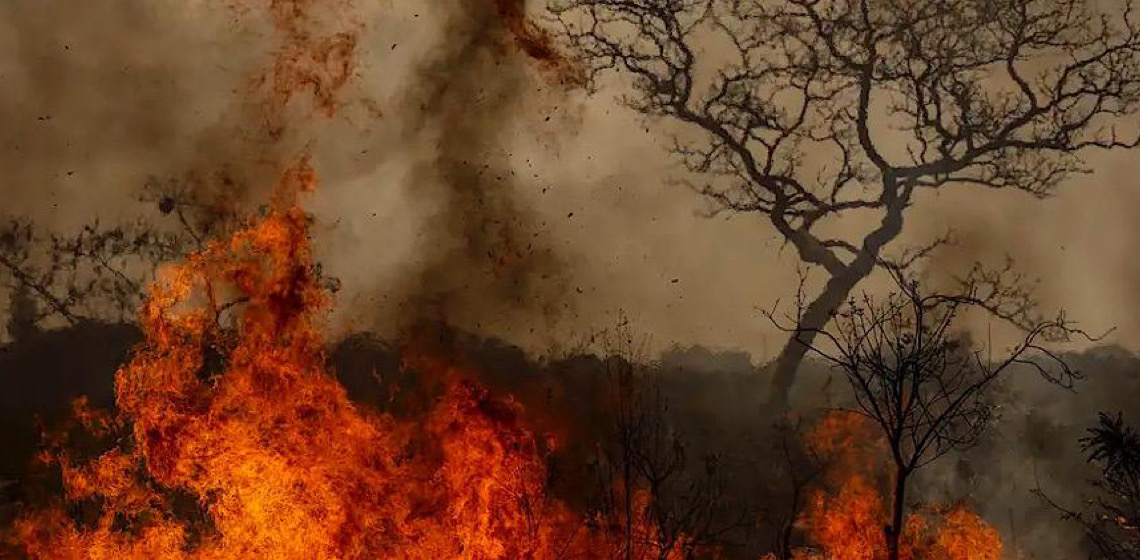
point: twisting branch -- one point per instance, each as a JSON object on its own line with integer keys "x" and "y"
{"x": 790, "y": 122}
{"x": 97, "y": 272}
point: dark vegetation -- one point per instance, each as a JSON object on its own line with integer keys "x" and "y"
{"x": 686, "y": 427}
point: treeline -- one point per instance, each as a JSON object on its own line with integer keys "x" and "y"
{"x": 686, "y": 428}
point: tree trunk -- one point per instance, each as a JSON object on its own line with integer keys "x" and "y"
{"x": 835, "y": 292}
{"x": 898, "y": 514}
{"x": 815, "y": 318}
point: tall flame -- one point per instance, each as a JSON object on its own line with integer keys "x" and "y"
{"x": 228, "y": 405}
{"x": 281, "y": 463}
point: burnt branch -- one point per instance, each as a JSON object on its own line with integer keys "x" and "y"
{"x": 95, "y": 272}
{"x": 921, "y": 380}
{"x": 655, "y": 500}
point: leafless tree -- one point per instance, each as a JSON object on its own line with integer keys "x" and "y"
{"x": 804, "y": 465}
{"x": 920, "y": 380}
{"x": 653, "y": 497}
{"x": 96, "y": 272}
{"x": 100, "y": 270}
{"x": 817, "y": 110}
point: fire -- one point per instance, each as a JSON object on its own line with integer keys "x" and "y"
{"x": 537, "y": 44}
{"x": 848, "y": 522}
{"x": 232, "y": 440}
{"x": 963, "y": 535}
{"x": 270, "y": 448}
{"x": 849, "y": 525}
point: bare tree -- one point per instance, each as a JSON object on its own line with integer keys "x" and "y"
{"x": 920, "y": 381}
{"x": 821, "y": 109}
{"x": 654, "y": 499}
{"x": 100, "y": 270}
{"x": 659, "y": 502}
{"x": 97, "y": 272}
{"x": 803, "y": 466}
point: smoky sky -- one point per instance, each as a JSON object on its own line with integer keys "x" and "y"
{"x": 99, "y": 98}
{"x": 460, "y": 180}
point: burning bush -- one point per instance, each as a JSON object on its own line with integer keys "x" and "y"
{"x": 269, "y": 447}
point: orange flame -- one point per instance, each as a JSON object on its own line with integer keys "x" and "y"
{"x": 282, "y": 464}
{"x": 279, "y": 463}
{"x": 848, "y": 523}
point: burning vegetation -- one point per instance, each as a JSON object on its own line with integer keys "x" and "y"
{"x": 232, "y": 439}
{"x": 232, "y": 436}
{"x": 848, "y": 518}
{"x": 270, "y": 451}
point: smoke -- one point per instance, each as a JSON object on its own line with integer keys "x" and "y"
{"x": 463, "y": 183}
{"x": 1034, "y": 445}
{"x": 97, "y": 101}
{"x": 445, "y": 187}
{"x": 479, "y": 255}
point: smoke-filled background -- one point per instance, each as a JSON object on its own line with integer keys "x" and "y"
{"x": 459, "y": 167}
{"x": 469, "y": 179}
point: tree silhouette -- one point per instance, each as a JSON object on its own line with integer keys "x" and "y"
{"x": 809, "y": 112}
{"x": 1115, "y": 447}
{"x": 94, "y": 273}
{"x": 653, "y": 500}
{"x": 921, "y": 381}
{"x": 99, "y": 270}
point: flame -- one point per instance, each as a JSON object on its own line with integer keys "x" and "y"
{"x": 270, "y": 448}
{"x": 537, "y": 43}
{"x": 848, "y": 523}
{"x": 964, "y": 535}
{"x": 277, "y": 462}
{"x": 231, "y": 438}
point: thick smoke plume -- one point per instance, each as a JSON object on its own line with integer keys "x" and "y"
{"x": 486, "y": 256}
